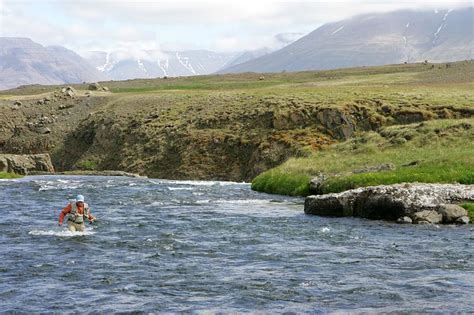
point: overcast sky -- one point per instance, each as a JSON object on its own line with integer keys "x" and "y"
{"x": 236, "y": 25}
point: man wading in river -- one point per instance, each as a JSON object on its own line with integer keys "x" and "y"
{"x": 76, "y": 213}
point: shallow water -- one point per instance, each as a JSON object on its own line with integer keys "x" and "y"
{"x": 213, "y": 247}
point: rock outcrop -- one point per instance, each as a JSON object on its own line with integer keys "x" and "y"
{"x": 451, "y": 213}
{"x": 25, "y": 164}
{"x": 427, "y": 217}
{"x": 98, "y": 87}
{"x": 419, "y": 202}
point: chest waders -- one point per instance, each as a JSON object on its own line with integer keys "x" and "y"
{"x": 77, "y": 217}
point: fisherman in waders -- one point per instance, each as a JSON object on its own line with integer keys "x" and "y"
{"x": 77, "y": 212}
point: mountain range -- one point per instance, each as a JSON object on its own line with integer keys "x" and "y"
{"x": 363, "y": 40}
{"x": 122, "y": 65}
{"x": 23, "y": 62}
{"x": 375, "y": 39}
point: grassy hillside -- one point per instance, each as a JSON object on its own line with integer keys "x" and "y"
{"x": 431, "y": 152}
{"x": 229, "y": 127}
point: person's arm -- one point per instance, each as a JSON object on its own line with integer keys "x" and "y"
{"x": 90, "y": 216}
{"x": 63, "y": 213}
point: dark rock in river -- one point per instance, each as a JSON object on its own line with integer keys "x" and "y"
{"x": 390, "y": 202}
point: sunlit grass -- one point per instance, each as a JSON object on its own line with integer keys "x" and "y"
{"x": 5, "y": 175}
{"x": 436, "y": 152}
{"x": 469, "y": 206}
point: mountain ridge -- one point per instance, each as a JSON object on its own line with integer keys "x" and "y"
{"x": 375, "y": 39}
{"x": 24, "y": 62}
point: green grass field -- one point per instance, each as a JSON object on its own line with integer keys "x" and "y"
{"x": 438, "y": 151}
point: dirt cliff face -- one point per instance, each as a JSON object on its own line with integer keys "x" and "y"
{"x": 219, "y": 127}
{"x": 226, "y": 136}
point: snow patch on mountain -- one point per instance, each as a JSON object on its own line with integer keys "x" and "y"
{"x": 164, "y": 67}
{"x": 442, "y": 25}
{"x": 340, "y": 28}
{"x": 108, "y": 65}
{"x": 185, "y": 62}
{"x": 141, "y": 66}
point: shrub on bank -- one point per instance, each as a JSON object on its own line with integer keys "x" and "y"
{"x": 278, "y": 182}
{"x": 88, "y": 165}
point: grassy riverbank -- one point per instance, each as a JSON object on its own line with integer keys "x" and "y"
{"x": 438, "y": 151}
{"x": 233, "y": 126}
{"x": 4, "y": 175}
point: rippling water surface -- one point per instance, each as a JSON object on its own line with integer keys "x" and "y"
{"x": 216, "y": 247}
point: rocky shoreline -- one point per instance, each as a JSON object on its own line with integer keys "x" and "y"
{"x": 25, "y": 164}
{"x": 404, "y": 203}
{"x": 92, "y": 173}
{"x": 41, "y": 164}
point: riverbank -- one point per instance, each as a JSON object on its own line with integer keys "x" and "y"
{"x": 6, "y": 175}
{"x": 225, "y": 127}
{"x": 437, "y": 151}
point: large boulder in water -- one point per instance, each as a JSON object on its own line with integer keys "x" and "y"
{"x": 451, "y": 213}
{"x": 389, "y": 202}
{"x": 427, "y": 216}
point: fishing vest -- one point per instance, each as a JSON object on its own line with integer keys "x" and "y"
{"x": 77, "y": 217}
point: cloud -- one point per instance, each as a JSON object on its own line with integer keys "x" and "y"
{"x": 248, "y": 43}
{"x": 181, "y": 24}
{"x": 262, "y": 12}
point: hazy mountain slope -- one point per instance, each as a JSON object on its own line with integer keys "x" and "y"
{"x": 375, "y": 39}
{"x": 23, "y": 61}
{"x": 248, "y": 55}
{"x": 120, "y": 65}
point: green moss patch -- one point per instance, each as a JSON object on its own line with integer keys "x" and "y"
{"x": 469, "y": 206}
{"x": 4, "y": 175}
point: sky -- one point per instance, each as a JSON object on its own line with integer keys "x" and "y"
{"x": 223, "y": 26}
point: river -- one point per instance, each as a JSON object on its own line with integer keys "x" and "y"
{"x": 216, "y": 247}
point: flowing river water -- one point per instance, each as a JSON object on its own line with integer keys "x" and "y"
{"x": 215, "y": 247}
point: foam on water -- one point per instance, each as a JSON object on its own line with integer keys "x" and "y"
{"x": 196, "y": 182}
{"x": 62, "y": 233}
{"x": 211, "y": 247}
{"x": 236, "y": 201}
{"x": 180, "y": 188}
